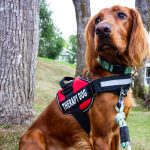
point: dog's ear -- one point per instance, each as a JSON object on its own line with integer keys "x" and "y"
{"x": 138, "y": 47}
{"x": 90, "y": 47}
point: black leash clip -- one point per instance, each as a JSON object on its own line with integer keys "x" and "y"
{"x": 123, "y": 93}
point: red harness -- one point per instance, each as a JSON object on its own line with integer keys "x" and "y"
{"x": 76, "y": 95}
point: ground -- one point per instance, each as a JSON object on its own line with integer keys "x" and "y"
{"x": 48, "y": 75}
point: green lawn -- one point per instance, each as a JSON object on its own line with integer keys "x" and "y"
{"x": 48, "y": 75}
{"x": 139, "y": 126}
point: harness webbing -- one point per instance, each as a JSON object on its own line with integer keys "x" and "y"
{"x": 112, "y": 83}
{"x": 82, "y": 118}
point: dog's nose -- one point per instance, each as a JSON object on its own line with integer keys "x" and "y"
{"x": 103, "y": 29}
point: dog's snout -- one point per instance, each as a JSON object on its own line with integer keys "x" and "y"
{"x": 103, "y": 29}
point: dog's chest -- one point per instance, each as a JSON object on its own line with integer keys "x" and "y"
{"x": 102, "y": 114}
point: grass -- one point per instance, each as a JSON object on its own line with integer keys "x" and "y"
{"x": 139, "y": 126}
{"x": 48, "y": 75}
{"x": 9, "y": 136}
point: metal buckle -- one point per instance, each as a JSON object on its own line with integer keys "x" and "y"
{"x": 123, "y": 93}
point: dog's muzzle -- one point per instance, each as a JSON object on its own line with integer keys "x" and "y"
{"x": 103, "y": 29}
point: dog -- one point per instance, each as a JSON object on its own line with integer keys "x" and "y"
{"x": 118, "y": 36}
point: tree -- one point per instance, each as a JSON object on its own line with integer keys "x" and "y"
{"x": 82, "y": 9}
{"x": 143, "y": 7}
{"x": 51, "y": 41}
{"x": 18, "y": 51}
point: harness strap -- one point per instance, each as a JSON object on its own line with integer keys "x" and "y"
{"x": 113, "y": 83}
{"x": 82, "y": 118}
{"x": 62, "y": 82}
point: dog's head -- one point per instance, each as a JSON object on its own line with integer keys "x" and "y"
{"x": 118, "y": 35}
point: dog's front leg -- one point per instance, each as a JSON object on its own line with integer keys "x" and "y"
{"x": 100, "y": 144}
{"x": 33, "y": 140}
{"x": 115, "y": 144}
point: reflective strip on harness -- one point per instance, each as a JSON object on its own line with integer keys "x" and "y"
{"x": 115, "y": 82}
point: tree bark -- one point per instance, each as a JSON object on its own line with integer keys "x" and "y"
{"x": 82, "y": 9}
{"x": 143, "y": 7}
{"x": 18, "y": 50}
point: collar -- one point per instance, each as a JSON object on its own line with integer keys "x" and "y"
{"x": 114, "y": 68}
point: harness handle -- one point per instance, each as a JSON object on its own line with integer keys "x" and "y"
{"x": 66, "y": 81}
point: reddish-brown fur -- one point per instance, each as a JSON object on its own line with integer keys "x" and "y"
{"x": 55, "y": 131}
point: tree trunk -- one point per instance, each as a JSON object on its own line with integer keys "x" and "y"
{"x": 139, "y": 84}
{"x": 143, "y": 7}
{"x": 82, "y": 9}
{"x": 18, "y": 50}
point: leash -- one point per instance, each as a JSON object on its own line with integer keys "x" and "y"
{"x": 120, "y": 120}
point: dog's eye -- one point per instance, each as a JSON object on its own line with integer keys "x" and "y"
{"x": 122, "y": 15}
{"x": 97, "y": 20}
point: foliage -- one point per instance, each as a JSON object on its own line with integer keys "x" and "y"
{"x": 51, "y": 41}
{"x": 72, "y": 43}
{"x": 72, "y": 46}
